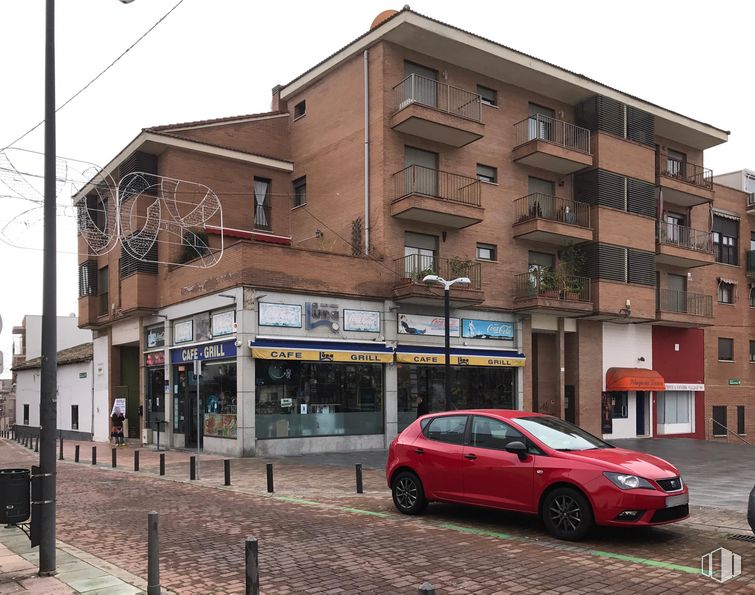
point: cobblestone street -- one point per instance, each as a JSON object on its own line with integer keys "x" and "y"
{"x": 316, "y": 535}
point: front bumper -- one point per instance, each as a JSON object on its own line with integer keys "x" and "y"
{"x": 617, "y": 507}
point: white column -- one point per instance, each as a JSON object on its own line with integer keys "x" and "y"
{"x": 246, "y": 329}
{"x": 168, "y": 395}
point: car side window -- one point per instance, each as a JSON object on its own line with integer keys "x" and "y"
{"x": 492, "y": 433}
{"x": 447, "y": 428}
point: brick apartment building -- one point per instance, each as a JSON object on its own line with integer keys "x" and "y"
{"x": 583, "y": 216}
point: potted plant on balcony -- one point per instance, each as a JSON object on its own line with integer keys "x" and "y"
{"x": 459, "y": 267}
{"x": 548, "y": 283}
{"x": 570, "y": 261}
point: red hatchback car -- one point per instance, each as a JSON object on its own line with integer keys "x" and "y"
{"x": 531, "y": 463}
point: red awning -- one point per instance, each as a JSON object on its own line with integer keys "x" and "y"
{"x": 621, "y": 379}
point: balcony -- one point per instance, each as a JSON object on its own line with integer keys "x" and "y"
{"x": 750, "y": 264}
{"x": 436, "y": 111}
{"x": 681, "y": 246}
{"x": 683, "y": 183}
{"x": 436, "y": 197}
{"x": 550, "y": 144}
{"x": 684, "y": 309}
{"x": 410, "y": 270}
{"x": 751, "y": 203}
{"x": 543, "y": 291}
{"x": 542, "y": 218}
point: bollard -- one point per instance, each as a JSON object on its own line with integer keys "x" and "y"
{"x": 359, "y": 479}
{"x": 192, "y": 467}
{"x": 60, "y": 454}
{"x": 270, "y": 478}
{"x": 162, "y": 463}
{"x": 115, "y": 459}
{"x": 153, "y": 555}
{"x": 252, "y": 568}
{"x": 76, "y": 454}
{"x": 136, "y": 460}
{"x": 94, "y": 455}
{"x": 426, "y": 589}
{"x": 227, "y": 471}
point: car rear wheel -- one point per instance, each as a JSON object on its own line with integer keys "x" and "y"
{"x": 567, "y": 514}
{"x": 408, "y": 495}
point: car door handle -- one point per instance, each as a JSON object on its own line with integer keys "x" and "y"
{"x": 470, "y": 456}
{"x": 419, "y": 451}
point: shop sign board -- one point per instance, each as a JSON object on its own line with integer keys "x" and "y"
{"x": 684, "y": 386}
{"x": 221, "y": 350}
{"x": 286, "y": 315}
{"x": 416, "y": 324}
{"x": 320, "y": 314}
{"x": 156, "y": 358}
{"x": 473, "y": 328}
{"x": 329, "y": 355}
{"x": 735, "y": 381}
{"x": 367, "y": 321}
{"x": 459, "y": 360}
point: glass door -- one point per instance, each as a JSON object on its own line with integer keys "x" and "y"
{"x": 541, "y": 122}
{"x": 421, "y": 171}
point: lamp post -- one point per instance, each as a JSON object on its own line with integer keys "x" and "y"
{"x": 48, "y": 406}
{"x": 447, "y": 308}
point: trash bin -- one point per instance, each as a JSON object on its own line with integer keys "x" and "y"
{"x": 15, "y": 499}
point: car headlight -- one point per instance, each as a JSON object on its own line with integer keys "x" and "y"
{"x": 628, "y": 482}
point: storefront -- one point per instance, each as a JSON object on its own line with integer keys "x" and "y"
{"x": 626, "y": 404}
{"x": 155, "y": 388}
{"x": 480, "y": 378}
{"x": 319, "y": 388}
{"x": 213, "y": 389}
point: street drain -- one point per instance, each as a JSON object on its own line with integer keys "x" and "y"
{"x": 747, "y": 538}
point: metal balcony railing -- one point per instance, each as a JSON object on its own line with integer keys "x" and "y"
{"x": 684, "y": 302}
{"x": 544, "y": 206}
{"x": 416, "y": 266}
{"x": 547, "y": 284}
{"x": 416, "y": 179}
{"x": 685, "y": 237}
{"x": 558, "y": 132}
{"x": 671, "y": 167}
{"x": 437, "y": 95}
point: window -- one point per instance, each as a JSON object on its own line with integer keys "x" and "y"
{"x": 448, "y": 428}
{"x": 486, "y": 173}
{"x": 674, "y": 407}
{"x": 262, "y": 210}
{"x": 300, "y": 109}
{"x": 486, "y": 252}
{"x": 74, "y": 417}
{"x": 752, "y": 351}
{"x": 726, "y": 350}
{"x": 300, "y": 191}
{"x": 676, "y": 163}
{"x": 26, "y": 415}
{"x": 492, "y": 433}
{"x": 620, "y": 407}
{"x": 103, "y": 284}
{"x": 740, "y": 419}
{"x": 419, "y": 255}
{"x": 540, "y": 122}
{"x": 487, "y": 96}
{"x": 725, "y": 239}
{"x": 88, "y": 278}
{"x": 725, "y": 292}
{"x": 719, "y": 420}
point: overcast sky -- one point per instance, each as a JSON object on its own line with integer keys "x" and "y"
{"x": 216, "y": 58}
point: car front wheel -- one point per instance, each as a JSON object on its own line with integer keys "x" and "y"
{"x": 408, "y": 495}
{"x": 567, "y": 514}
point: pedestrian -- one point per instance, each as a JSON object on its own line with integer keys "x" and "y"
{"x": 117, "y": 431}
{"x": 422, "y": 408}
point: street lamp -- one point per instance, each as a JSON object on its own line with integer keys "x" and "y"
{"x": 447, "y": 307}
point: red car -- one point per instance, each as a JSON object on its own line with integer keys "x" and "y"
{"x": 531, "y": 463}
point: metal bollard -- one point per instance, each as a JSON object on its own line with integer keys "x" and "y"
{"x": 270, "y": 478}
{"x": 162, "y": 463}
{"x": 76, "y": 454}
{"x": 60, "y": 454}
{"x": 136, "y": 460}
{"x": 426, "y": 589}
{"x": 359, "y": 478}
{"x": 153, "y": 555}
{"x": 115, "y": 459}
{"x": 192, "y": 467}
{"x": 227, "y": 471}
{"x": 252, "y": 567}
{"x": 94, "y": 455}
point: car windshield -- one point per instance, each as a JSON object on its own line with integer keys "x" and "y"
{"x": 559, "y": 434}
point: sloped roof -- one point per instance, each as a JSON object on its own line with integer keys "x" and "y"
{"x": 72, "y": 355}
{"x": 213, "y": 121}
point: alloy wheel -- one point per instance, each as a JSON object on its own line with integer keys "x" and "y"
{"x": 566, "y": 513}
{"x": 406, "y": 493}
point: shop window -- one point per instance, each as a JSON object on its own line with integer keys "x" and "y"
{"x": 487, "y": 173}
{"x": 619, "y": 405}
{"x": 725, "y": 349}
{"x": 299, "y": 399}
{"x": 725, "y": 292}
{"x": 719, "y": 420}
{"x": 26, "y": 415}
{"x": 154, "y": 411}
{"x": 74, "y": 417}
{"x": 300, "y": 191}
{"x": 740, "y": 419}
{"x": 486, "y": 252}
{"x": 487, "y": 95}
{"x": 674, "y": 407}
{"x": 448, "y": 429}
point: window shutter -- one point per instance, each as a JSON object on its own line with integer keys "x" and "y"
{"x": 640, "y": 197}
{"x": 641, "y": 267}
{"x": 640, "y": 126}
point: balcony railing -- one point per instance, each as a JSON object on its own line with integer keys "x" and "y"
{"x": 547, "y": 284}
{"x": 685, "y": 237}
{"x": 558, "y": 132}
{"x": 544, "y": 206}
{"x": 750, "y": 200}
{"x": 671, "y": 167}
{"x": 683, "y": 302}
{"x": 750, "y": 263}
{"x": 437, "y": 95}
{"x": 416, "y": 179}
{"x": 416, "y": 266}
{"x": 263, "y": 217}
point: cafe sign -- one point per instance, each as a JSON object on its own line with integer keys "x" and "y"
{"x": 224, "y": 349}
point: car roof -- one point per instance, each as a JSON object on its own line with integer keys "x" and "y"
{"x": 505, "y": 413}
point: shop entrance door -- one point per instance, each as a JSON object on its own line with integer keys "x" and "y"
{"x": 190, "y": 415}
{"x": 642, "y": 410}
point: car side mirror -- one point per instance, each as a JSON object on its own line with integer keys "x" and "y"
{"x": 518, "y": 448}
